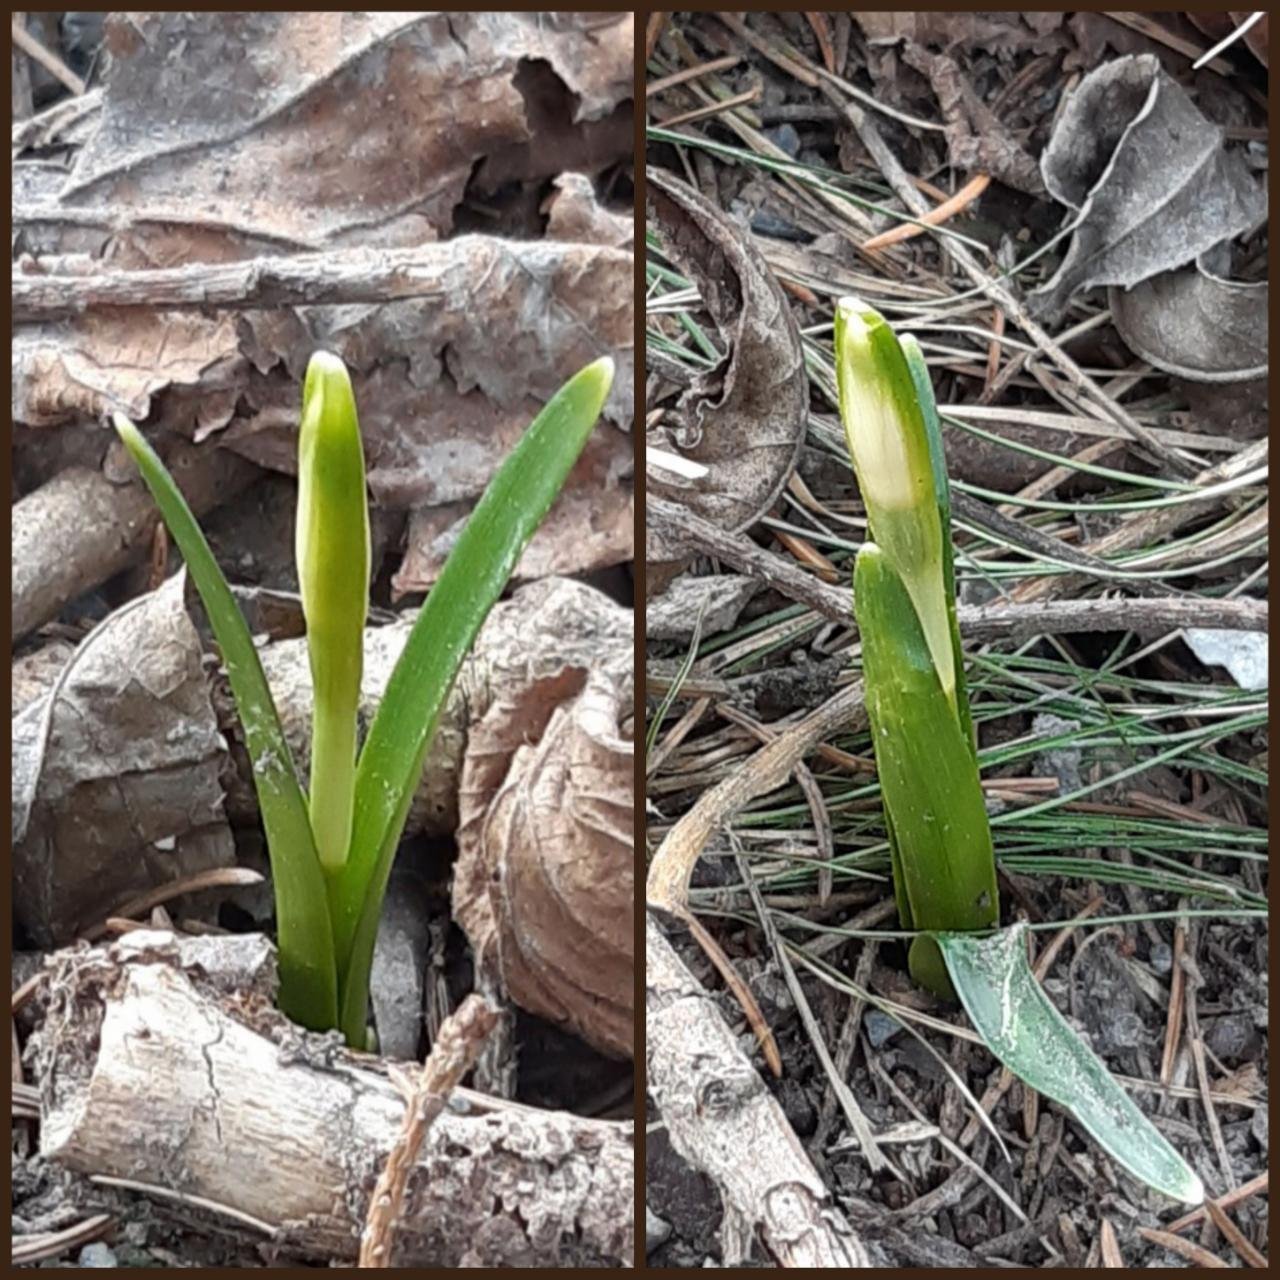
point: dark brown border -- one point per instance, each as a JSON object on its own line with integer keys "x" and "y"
{"x": 638, "y": 573}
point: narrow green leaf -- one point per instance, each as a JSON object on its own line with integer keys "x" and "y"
{"x": 332, "y": 547}
{"x": 928, "y": 775}
{"x": 308, "y": 977}
{"x": 390, "y": 765}
{"x": 928, "y": 405}
{"x": 888, "y": 443}
{"x": 1017, "y": 1022}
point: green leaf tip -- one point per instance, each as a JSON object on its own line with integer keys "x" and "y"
{"x": 332, "y": 547}
{"x": 512, "y": 506}
{"x": 889, "y": 444}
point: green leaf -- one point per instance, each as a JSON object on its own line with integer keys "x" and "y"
{"x": 928, "y": 405}
{"x": 1016, "y": 1021}
{"x": 943, "y": 862}
{"x": 885, "y": 428}
{"x": 477, "y": 571}
{"x": 308, "y": 975}
{"x": 332, "y": 548}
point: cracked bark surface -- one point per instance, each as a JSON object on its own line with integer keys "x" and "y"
{"x": 724, "y": 1122}
{"x": 265, "y": 1130}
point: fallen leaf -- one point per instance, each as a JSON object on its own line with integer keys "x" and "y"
{"x": 743, "y": 420}
{"x": 1147, "y": 177}
{"x": 1242, "y": 653}
{"x": 315, "y": 127}
{"x": 574, "y": 213}
{"x": 1196, "y": 323}
{"x": 544, "y": 882}
{"x": 116, "y": 784}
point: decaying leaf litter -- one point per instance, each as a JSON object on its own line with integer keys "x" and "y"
{"x": 1082, "y": 469}
{"x": 444, "y": 201}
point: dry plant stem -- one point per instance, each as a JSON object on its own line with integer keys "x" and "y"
{"x": 79, "y": 529}
{"x": 1244, "y": 1191}
{"x": 812, "y": 794}
{"x": 935, "y": 217}
{"x": 768, "y": 769}
{"x": 335, "y": 277}
{"x": 1235, "y": 1237}
{"x": 1143, "y": 528}
{"x": 48, "y": 60}
{"x": 28, "y": 1250}
{"x": 1183, "y": 1248}
{"x": 291, "y": 1130}
{"x": 456, "y": 1048}
{"x": 725, "y": 1123}
{"x": 1001, "y": 621}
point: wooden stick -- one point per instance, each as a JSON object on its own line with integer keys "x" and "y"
{"x": 53, "y": 64}
{"x": 454, "y": 1053}
{"x": 935, "y": 217}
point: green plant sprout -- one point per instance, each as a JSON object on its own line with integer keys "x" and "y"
{"x": 941, "y": 852}
{"x": 944, "y": 869}
{"x": 331, "y": 857}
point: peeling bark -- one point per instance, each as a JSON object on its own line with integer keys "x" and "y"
{"x": 281, "y": 1134}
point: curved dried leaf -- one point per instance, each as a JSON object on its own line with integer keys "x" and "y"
{"x": 1148, "y": 177}
{"x": 558, "y": 834}
{"x": 544, "y": 873}
{"x": 744, "y": 420}
{"x": 1196, "y": 324}
{"x": 296, "y": 127}
{"x": 116, "y": 784}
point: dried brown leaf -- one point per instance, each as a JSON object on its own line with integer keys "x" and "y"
{"x": 544, "y": 882}
{"x": 1148, "y": 180}
{"x": 744, "y": 419}
{"x": 315, "y": 127}
{"x": 1196, "y": 323}
{"x": 116, "y": 782}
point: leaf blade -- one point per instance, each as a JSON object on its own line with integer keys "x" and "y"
{"x": 308, "y": 975}
{"x": 1023, "y": 1029}
{"x": 332, "y": 554}
{"x": 478, "y": 569}
{"x": 943, "y": 861}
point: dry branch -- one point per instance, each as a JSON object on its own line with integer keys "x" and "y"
{"x": 78, "y": 530}
{"x": 1013, "y": 621}
{"x": 722, "y": 1120}
{"x": 257, "y": 1126}
{"x": 336, "y": 277}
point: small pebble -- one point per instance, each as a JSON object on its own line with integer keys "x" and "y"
{"x": 1233, "y": 1038}
{"x": 881, "y": 1028}
{"x": 97, "y": 1254}
{"x": 1124, "y": 1030}
{"x": 785, "y": 138}
{"x": 657, "y": 1231}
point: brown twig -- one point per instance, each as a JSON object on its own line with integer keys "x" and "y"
{"x": 1184, "y": 1248}
{"x": 213, "y": 878}
{"x": 686, "y": 74}
{"x": 27, "y": 1250}
{"x": 935, "y": 216}
{"x": 999, "y": 621}
{"x": 1235, "y": 1237}
{"x": 461, "y": 1038}
{"x": 1245, "y": 1191}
